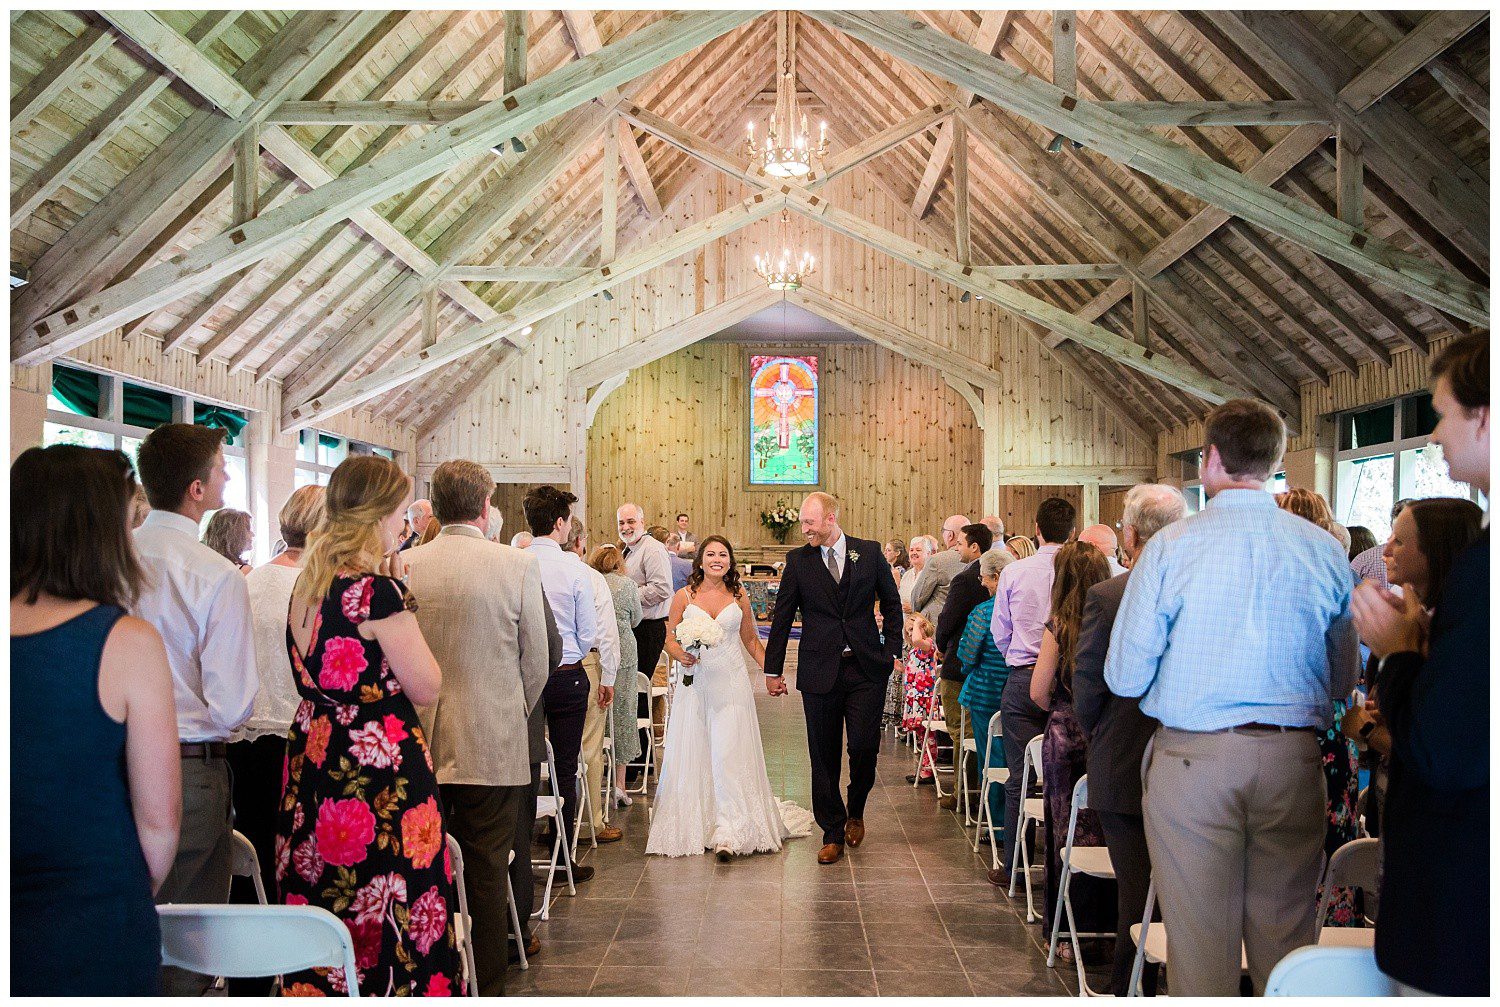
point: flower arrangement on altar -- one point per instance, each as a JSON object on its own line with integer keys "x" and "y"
{"x": 780, "y": 520}
{"x": 695, "y": 634}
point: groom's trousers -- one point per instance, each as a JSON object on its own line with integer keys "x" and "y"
{"x": 852, "y": 707}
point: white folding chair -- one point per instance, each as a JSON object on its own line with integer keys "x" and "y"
{"x": 1033, "y": 809}
{"x": 516, "y": 933}
{"x": 585, "y": 810}
{"x": 607, "y": 791}
{"x": 647, "y": 724}
{"x": 244, "y": 942}
{"x": 991, "y": 776}
{"x": 1091, "y": 860}
{"x": 932, "y": 725}
{"x": 967, "y": 750}
{"x": 1329, "y": 972}
{"x": 243, "y": 863}
{"x": 1356, "y": 864}
{"x": 463, "y": 923}
{"x": 551, "y": 806}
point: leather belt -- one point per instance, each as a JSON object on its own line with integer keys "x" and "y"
{"x": 1280, "y": 728}
{"x": 575, "y": 666}
{"x": 203, "y": 749}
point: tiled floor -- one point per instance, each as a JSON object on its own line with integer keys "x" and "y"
{"x": 907, "y": 914}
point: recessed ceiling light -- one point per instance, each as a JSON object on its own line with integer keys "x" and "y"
{"x": 526, "y": 331}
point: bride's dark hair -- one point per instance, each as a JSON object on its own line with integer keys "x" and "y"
{"x": 731, "y": 576}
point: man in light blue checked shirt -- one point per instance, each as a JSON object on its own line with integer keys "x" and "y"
{"x": 1235, "y": 630}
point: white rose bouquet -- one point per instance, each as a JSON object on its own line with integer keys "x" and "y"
{"x": 696, "y": 633}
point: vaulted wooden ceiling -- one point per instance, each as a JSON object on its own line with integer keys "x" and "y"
{"x": 133, "y": 135}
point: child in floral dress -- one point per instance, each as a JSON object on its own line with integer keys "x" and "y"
{"x": 921, "y": 679}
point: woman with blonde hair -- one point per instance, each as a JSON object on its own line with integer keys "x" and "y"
{"x": 360, "y": 827}
{"x": 229, "y": 534}
{"x": 608, "y": 560}
{"x": 1020, "y": 546}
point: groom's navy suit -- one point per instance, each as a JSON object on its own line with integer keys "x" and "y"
{"x": 843, "y": 666}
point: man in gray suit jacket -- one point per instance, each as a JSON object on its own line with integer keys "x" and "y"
{"x": 931, "y": 589}
{"x": 481, "y": 610}
{"x": 1118, "y": 731}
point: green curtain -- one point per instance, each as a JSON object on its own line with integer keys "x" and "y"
{"x": 78, "y": 390}
{"x": 228, "y": 420}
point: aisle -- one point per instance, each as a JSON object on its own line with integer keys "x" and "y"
{"x": 907, "y": 914}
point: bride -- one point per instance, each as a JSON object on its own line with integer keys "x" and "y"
{"x": 714, "y": 792}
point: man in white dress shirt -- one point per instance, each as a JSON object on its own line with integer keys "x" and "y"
{"x": 602, "y": 665}
{"x": 571, "y": 595}
{"x": 198, "y": 602}
{"x": 646, "y": 563}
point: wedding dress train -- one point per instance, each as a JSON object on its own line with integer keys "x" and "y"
{"x": 714, "y": 793}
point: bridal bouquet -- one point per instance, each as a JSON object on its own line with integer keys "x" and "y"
{"x": 695, "y": 634}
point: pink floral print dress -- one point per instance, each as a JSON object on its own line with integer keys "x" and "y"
{"x": 360, "y": 828}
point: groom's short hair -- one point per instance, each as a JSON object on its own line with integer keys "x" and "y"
{"x": 827, "y": 501}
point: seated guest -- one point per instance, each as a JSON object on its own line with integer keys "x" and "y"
{"x": 361, "y": 825}
{"x": 1233, "y": 794}
{"x": 1023, "y": 603}
{"x": 229, "y": 534}
{"x": 921, "y": 680}
{"x": 1079, "y": 567}
{"x": 964, "y": 592}
{"x": 257, "y": 751}
{"x": 95, "y": 786}
{"x": 627, "y": 610}
{"x": 931, "y": 589}
{"x": 480, "y": 609}
{"x": 200, "y": 605}
{"x": 1117, "y": 731}
{"x": 984, "y": 678}
{"x": 1020, "y": 546}
{"x": 1369, "y": 564}
{"x": 571, "y": 595}
{"x": 1434, "y": 687}
{"x": 1360, "y": 539}
{"x": 1103, "y": 538}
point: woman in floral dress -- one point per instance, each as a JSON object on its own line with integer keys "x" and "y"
{"x": 360, "y": 828}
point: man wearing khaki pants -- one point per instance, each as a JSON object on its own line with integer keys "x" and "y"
{"x": 1235, "y": 629}
{"x": 602, "y": 665}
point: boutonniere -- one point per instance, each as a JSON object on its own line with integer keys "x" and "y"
{"x": 853, "y": 556}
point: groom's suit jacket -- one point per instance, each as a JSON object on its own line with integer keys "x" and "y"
{"x": 836, "y": 615}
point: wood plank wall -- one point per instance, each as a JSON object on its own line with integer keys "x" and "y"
{"x": 900, "y": 448}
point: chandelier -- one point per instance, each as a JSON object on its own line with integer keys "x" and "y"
{"x": 787, "y": 150}
{"x": 783, "y": 270}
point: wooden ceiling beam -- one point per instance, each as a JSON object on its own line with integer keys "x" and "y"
{"x": 56, "y": 76}
{"x": 1216, "y": 113}
{"x": 271, "y": 366}
{"x": 1471, "y": 96}
{"x": 1169, "y": 162}
{"x": 1210, "y": 276}
{"x": 1433, "y": 35}
{"x": 267, "y": 294}
{"x": 182, "y": 60}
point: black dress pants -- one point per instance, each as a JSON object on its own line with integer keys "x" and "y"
{"x": 483, "y": 820}
{"x": 255, "y": 788}
{"x": 566, "y": 699}
{"x": 1125, "y": 836}
{"x": 521, "y": 881}
{"x": 852, "y": 708}
{"x": 650, "y": 640}
{"x": 1020, "y": 720}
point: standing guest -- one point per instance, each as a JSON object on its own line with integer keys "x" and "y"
{"x": 919, "y": 550}
{"x": 684, "y": 536}
{"x": 1434, "y": 929}
{"x": 481, "y": 613}
{"x": 997, "y": 532}
{"x": 1020, "y": 546}
{"x": 1342, "y": 534}
{"x": 1307, "y": 505}
{"x": 1369, "y": 564}
{"x": 257, "y": 751}
{"x": 360, "y": 830}
{"x": 1080, "y": 565}
{"x": 229, "y": 534}
{"x": 522, "y": 882}
{"x": 139, "y": 507}
{"x": 95, "y": 788}
{"x": 429, "y": 532}
{"x": 602, "y": 665}
{"x": 921, "y": 670}
{"x": 418, "y": 517}
{"x": 627, "y": 604}
{"x": 1233, "y": 793}
{"x": 895, "y": 555}
{"x": 1117, "y": 731}
{"x": 932, "y": 586}
{"x": 520, "y": 540}
{"x": 571, "y": 596}
{"x": 1103, "y": 538}
{"x": 649, "y": 565}
{"x": 985, "y": 674}
{"x": 198, "y": 602}
{"x": 1360, "y": 539}
{"x": 680, "y": 555}
{"x": 1023, "y": 603}
{"x": 964, "y": 592}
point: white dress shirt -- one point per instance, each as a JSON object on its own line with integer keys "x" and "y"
{"x": 837, "y": 548}
{"x": 198, "y": 602}
{"x": 607, "y": 639}
{"x": 571, "y": 595}
{"x": 647, "y": 564}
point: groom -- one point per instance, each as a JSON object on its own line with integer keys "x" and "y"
{"x": 842, "y": 663}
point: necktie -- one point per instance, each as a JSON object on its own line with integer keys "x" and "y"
{"x": 833, "y": 565}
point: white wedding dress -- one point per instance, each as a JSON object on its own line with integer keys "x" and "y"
{"x": 714, "y": 793}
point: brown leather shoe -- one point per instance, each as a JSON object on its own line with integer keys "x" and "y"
{"x": 854, "y": 831}
{"x": 948, "y": 802}
{"x": 609, "y": 834}
{"x": 831, "y": 854}
{"x": 999, "y": 877}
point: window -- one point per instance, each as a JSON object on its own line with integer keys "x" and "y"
{"x": 318, "y": 454}
{"x": 1383, "y": 456}
{"x": 99, "y": 411}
